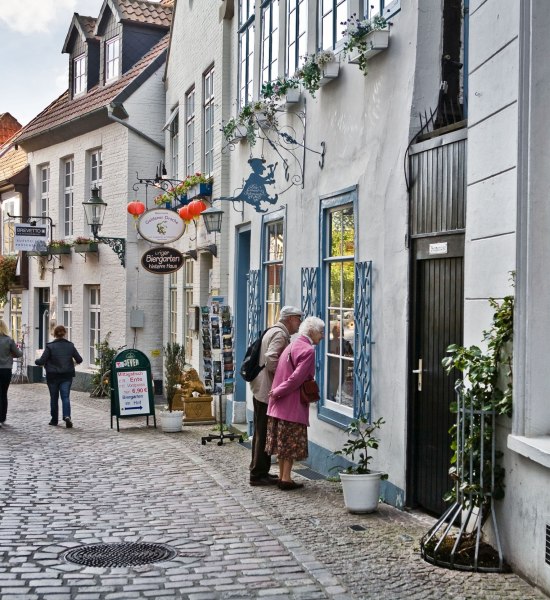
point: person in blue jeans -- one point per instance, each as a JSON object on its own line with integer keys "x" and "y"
{"x": 59, "y": 359}
{"x": 8, "y": 351}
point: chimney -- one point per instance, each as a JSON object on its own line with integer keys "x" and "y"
{"x": 8, "y": 127}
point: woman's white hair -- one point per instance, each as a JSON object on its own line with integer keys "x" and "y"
{"x": 311, "y": 324}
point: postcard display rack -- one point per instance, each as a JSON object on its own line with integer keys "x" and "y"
{"x": 218, "y": 363}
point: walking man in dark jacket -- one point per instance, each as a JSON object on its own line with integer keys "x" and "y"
{"x": 59, "y": 358}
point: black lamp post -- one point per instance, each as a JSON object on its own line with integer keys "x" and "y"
{"x": 94, "y": 209}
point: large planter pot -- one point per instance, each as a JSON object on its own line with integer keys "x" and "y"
{"x": 361, "y": 491}
{"x": 197, "y": 409}
{"x": 89, "y": 247}
{"x": 59, "y": 250}
{"x": 171, "y": 422}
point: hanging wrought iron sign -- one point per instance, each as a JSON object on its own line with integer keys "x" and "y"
{"x": 160, "y": 226}
{"x": 162, "y": 260}
{"x": 254, "y": 190}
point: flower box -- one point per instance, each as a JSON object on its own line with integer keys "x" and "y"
{"x": 293, "y": 96}
{"x": 200, "y": 190}
{"x": 90, "y": 247}
{"x": 37, "y": 253}
{"x": 329, "y": 72}
{"x": 59, "y": 250}
{"x": 238, "y": 135}
{"x": 377, "y": 40}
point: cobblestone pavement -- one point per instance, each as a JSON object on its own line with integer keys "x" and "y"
{"x": 61, "y": 488}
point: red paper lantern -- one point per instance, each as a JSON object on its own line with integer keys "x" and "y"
{"x": 136, "y": 208}
{"x": 196, "y": 207}
{"x": 184, "y": 213}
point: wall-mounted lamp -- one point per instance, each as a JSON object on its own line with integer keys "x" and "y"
{"x": 94, "y": 209}
{"x": 212, "y": 218}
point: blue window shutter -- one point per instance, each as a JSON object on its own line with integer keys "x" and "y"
{"x": 254, "y": 306}
{"x": 363, "y": 338}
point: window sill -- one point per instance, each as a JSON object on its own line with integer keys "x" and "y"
{"x": 536, "y": 449}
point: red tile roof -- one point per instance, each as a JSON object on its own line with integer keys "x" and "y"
{"x": 64, "y": 110}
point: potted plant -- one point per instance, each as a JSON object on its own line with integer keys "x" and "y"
{"x": 364, "y": 39}
{"x": 233, "y": 131}
{"x": 317, "y": 70}
{"x": 84, "y": 244}
{"x": 287, "y": 87}
{"x": 360, "y": 485}
{"x": 174, "y": 363}
{"x": 193, "y": 186}
{"x": 59, "y": 247}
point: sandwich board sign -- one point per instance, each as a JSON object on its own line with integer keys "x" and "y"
{"x": 132, "y": 390}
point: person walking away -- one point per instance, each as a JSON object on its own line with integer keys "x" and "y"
{"x": 59, "y": 359}
{"x": 8, "y": 351}
{"x": 274, "y": 342}
{"x": 288, "y": 416}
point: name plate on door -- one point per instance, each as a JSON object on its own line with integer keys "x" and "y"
{"x": 440, "y": 248}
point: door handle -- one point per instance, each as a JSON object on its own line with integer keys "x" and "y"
{"x": 419, "y": 373}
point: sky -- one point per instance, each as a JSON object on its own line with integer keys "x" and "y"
{"x": 33, "y": 71}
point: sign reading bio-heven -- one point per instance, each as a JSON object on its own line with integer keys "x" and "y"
{"x": 162, "y": 260}
{"x": 161, "y": 225}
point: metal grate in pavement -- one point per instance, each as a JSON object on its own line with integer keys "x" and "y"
{"x": 308, "y": 473}
{"x": 125, "y": 554}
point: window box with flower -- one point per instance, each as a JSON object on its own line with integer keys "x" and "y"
{"x": 365, "y": 38}
{"x": 318, "y": 70}
{"x": 84, "y": 244}
{"x": 283, "y": 88}
{"x": 59, "y": 247}
{"x": 193, "y": 186}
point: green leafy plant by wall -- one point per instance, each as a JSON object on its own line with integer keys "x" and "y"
{"x": 174, "y": 364}
{"x": 8, "y": 266}
{"x": 486, "y": 384}
{"x": 103, "y": 359}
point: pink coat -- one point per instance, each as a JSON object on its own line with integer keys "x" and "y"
{"x": 284, "y": 400}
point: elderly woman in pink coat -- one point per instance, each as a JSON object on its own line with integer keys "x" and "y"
{"x": 288, "y": 416}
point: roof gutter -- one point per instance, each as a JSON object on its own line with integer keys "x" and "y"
{"x": 112, "y": 117}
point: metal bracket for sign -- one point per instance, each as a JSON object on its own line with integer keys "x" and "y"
{"x": 32, "y": 222}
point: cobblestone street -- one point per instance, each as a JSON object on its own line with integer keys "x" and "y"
{"x": 61, "y": 488}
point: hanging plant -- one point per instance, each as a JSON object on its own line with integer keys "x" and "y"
{"x": 8, "y": 266}
{"x": 355, "y": 34}
{"x": 181, "y": 189}
{"x": 310, "y": 73}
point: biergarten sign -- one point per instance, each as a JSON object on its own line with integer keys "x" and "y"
{"x": 162, "y": 260}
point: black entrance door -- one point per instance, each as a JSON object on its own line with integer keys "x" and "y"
{"x": 43, "y": 317}
{"x": 437, "y": 322}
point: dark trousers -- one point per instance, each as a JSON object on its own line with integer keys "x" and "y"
{"x": 5, "y": 378}
{"x": 261, "y": 461}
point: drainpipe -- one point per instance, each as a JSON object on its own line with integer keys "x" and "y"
{"x": 112, "y": 117}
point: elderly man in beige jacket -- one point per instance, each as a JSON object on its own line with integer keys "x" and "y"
{"x": 275, "y": 340}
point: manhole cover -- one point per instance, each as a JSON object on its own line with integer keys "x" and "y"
{"x": 119, "y": 555}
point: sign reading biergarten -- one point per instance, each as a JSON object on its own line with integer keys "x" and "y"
{"x": 162, "y": 260}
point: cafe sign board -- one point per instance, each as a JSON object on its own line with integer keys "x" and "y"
{"x": 160, "y": 226}
{"x": 162, "y": 260}
{"x": 30, "y": 237}
{"x": 132, "y": 390}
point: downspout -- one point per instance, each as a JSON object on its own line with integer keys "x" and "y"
{"x": 112, "y": 117}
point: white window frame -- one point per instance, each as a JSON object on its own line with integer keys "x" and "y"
{"x": 188, "y": 286}
{"x": 270, "y": 41}
{"x": 94, "y": 321}
{"x": 66, "y": 309}
{"x": 331, "y": 14}
{"x": 190, "y": 132}
{"x": 296, "y": 34}
{"x": 273, "y": 269}
{"x": 16, "y": 317}
{"x": 44, "y": 198}
{"x": 9, "y": 206}
{"x": 338, "y": 313}
{"x": 68, "y": 196}
{"x": 246, "y": 52}
{"x": 208, "y": 122}
{"x": 112, "y": 59}
{"x": 79, "y": 75}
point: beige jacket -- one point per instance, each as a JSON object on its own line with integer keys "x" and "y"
{"x": 273, "y": 343}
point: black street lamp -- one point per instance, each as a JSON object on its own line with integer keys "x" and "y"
{"x": 212, "y": 218}
{"x": 94, "y": 209}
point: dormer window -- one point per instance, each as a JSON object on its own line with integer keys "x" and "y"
{"x": 112, "y": 59}
{"x": 79, "y": 75}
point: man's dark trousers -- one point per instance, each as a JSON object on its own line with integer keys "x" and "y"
{"x": 261, "y": 461}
